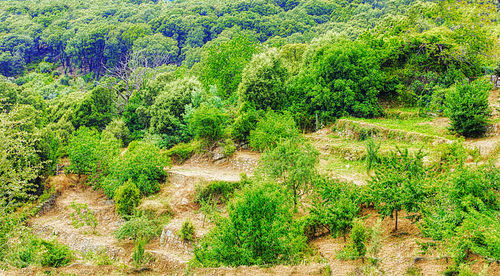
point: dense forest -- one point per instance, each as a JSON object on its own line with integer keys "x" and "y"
{"x": 114, "y": 92}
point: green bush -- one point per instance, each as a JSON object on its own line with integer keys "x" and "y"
{"x": 183, "y": 151}
{"x": 118, "y": 129}
{"x": 143, "y": 164}
{"x": 219, "y": 191}
{"x": 293, "y": 163}
{"x": 263, "y": 81}
{"x": 228, "y": 147}
{"x": 356, "y": 247}
{"x": 127, "y": 198}
{"x": 207, "y": 123}
{"x": 56, "y": 255}
{"x": 335, "y": 205}
{"x": 271, "y": 129}
{"x": 138, "y": 227}
{"x": 259, "y": 230}
{"x": 187, "y": 231}
{"x": 83, "y": 216}
{"x": 245, "y": 122}
{"x": 467, "y": 108}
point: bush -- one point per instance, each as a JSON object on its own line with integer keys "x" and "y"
{"x": 335, "y": 205}
{"x": 138, "y": 228}
{"x": 467, "y": 108}
{"x": 187, "y": 231}
{"x": 207, "y": 123}
{"x": 356, "y": 248}
{"x": 56, "y": 255}
{"x": 263, "y": 81}
{"x": 259, "y": 230}
{"x": 292, "y": 163}
{"x": 245, "y": 122}
{"x": 83, "y": 216}
{"x": 118, "y": 129}
{"x": 127, "y": 198}
{"x": 183, "y": 151}
{"x": 218, "y": 191}
{"x": 271, "y": 129}
{"x": 143, "y": 164}
{"x": 228, "y": 147}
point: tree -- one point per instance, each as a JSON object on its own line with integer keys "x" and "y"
{"x": 263, "y": 81}
{"x": 96, "y": 110}
{"x": 207, "y": 123}
{"x": 293, "y": 163}
{"x": 222, "y": 63}
{"x": 132, "y": 73}
{"x": 259, "y": 230}
{"x": 20, "y": 165}
{"x": 398, "y": 184}
{"x": 271, "y": 129}
{"x": 338, "y": 79}
{"x": 467, "y": 107}
{"x": 335, "y": 204}
{"x": 170, "y": 105}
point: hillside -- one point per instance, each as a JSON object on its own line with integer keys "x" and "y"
{"x": 289, "y": 137}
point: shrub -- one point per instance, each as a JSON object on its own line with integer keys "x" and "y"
{"x": 139, "y": 257}
{"x": 271, "y": 129}
{"x": 219, "y": 191}
{"x": 187, "y": 231}
{"x": 118, "y": 129}
{"x": 138, "y": 228}
{"x": 143, "y": 164}
{"x": 467, "y": 108}
{"x": 83, "y": 216}
{"x": 335, "y": 205}
{"x": 245, "y": 122}
{"x": 263, "y": 81}
{"x": 356, "y": 248}
{"x": 127, "y": 198}
{"x": 259, "y": 230}
{"x": 56, "y": 255}
{"x": 228, "y": 147}
{"x": 397, "y": 184}
{"x": 183, "y": 151}
{"x": 207, "y": 123}
{"x": 293, "y": 163}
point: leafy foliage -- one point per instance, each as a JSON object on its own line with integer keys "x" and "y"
{"x": 293, "y": 163}
{"x": 83, "y": 216}
{"x": 143, "y": 164}
{"x": 467, "y": 107}
{"x": 207, "y": 123}
{"x": 187, "y": 232}
{"x": 335, "y": 205}
{"x": 127, "y": 198}
{"x": 398, "y": 184}
{"x": 259, "y": 230}
{"x": 271, "y": 129}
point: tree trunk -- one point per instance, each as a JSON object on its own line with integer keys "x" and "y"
{"x": 396, "y": 227}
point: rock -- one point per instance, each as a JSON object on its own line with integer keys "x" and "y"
{"x": 217, "y": 154}
{"x": 184, "y": 201}
{"x": 220, "y": 161}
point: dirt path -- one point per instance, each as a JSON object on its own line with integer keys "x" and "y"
{"x": 57, "y": 223}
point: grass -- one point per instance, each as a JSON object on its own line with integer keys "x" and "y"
{"x": 417, "y": 124}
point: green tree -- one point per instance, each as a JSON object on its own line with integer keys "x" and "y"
{"x": 271, "y": 129}
{"x": 222, "y": 63}
{"x": 96, "y": 110}
{"x": 263, "y": 81}
{"x": 259, "y": 230}
{"x": 398, "y": 184}
{"x": 335, "y": 204}
{"x": 467, "y": 108}
{"x": 127, "y": 198}
{"x": 293, "y": 163}
{"x": 207, "y": 123}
